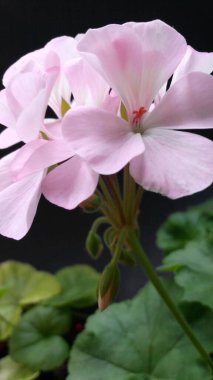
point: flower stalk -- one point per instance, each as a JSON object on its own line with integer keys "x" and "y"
{"x": 151, "y": 274}
{"x": 125, "y": 208}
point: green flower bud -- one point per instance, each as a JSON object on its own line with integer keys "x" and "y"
{"x": 94, "y": 244}
{"x": 108, "y": 285}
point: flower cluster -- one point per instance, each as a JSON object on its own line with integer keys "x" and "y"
{"x": 88, "y": 106}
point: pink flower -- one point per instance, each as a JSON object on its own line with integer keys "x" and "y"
{"x": 42, "y": 78}
{"x": 71, "y": 182}
{"x": 137, "y": 59}
{"x": 22, "y": 110}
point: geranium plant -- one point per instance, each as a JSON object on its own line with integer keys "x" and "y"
{"x": 101, "y": 118}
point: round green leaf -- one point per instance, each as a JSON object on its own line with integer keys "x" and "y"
{"x": 194, "y": 271}
{"x": 135, "y": 340}
{"x": 10, "y": 370}
{"x": 179, "y": 229}
{"x": 26, "y": 285}
{"x": 195, "y": 224}
{"x": 21, "y": 285}
{"x": 79, "y": 287}
{"x": 36, "y": 340}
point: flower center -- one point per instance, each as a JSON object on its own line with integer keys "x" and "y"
{"x": 138, "y": 115}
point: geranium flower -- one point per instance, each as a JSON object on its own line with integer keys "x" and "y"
{"x": 137, "y": 59}
{"x": 37, "y": 80}
{"x": 22, "y": 109}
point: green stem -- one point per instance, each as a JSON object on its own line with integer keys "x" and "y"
{"x": 150, "y": 272}
{"x": 108, "y": 206}
{"x": 114, "y": 178}
{"x": 139, "y": 195}
{"x": 106, "y": 193}
{"x": 130, "y": 204}
{"x": 119, "y": 245}
{"x": 116, "y": 197}
{"x": 125, "y": 187}
{"x": 111, "y": 215}
{"x": 128, "y": 196}
{"x": 98, "y": 222}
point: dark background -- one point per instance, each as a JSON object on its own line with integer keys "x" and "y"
{"x": 57, "y": 236}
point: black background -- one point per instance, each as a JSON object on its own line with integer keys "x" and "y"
{"x": 57, "y": 236}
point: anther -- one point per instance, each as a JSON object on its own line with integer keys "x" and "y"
{"x": 138, "y": 114}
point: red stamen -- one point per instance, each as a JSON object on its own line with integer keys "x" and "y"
{"x": 138, "y": 114}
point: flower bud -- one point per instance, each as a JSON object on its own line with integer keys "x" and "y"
{"x": 108, "y": 286}
{"x": 94, "y": 244}
{"x": 91, "y": 204}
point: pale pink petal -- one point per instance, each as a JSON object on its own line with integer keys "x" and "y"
{"x": 31, "y": 119}
{"x": 136, "y": 58}
{"x": 52, "y": 128}
{"x": 86, "y": 84}
{"x": 61, "y": 89}
{"x": 194, "y": 61}
{"x": 103, "y": 139}
{"x": 38, "y": 61}
{"x": 70, "y": 183}
{"x": 6, "y": 177}
{"x": 6, "y": 116}
{"x": 18, "y": 205}
{"x": 26, "y": 63}
{"x": 40, "y": 154}
{"x": 64, "y": 46}
{"x": 24, "y": 87}
{"x": 18, "y": 199}
{"x": 24, "y": 154}
{"x": 159, "y": 96}
{"x": 8, "y": 138}
{"x": 111, "y": 103}
{"x": 174, "y": 163}
{"x": 186, "y": 105}
{"x": 50, "y": 61}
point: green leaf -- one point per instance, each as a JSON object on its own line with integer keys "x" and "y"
{"x": 25, "y": 284}
{"x": 10, "y": 370}
{"x": 194, "y": 271}
{"x": 79, "y": 287}
{"x": 21, "y": 285}
{"x": 36, "y": 341}
{"x": 9, "y": 316}
{"x": 196, "y": 224}
{"x": 137, "y": 340}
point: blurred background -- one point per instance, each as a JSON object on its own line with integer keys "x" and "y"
{"x": 57, "y": 236}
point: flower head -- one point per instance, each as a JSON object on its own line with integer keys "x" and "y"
{"x": 137, "y": 60}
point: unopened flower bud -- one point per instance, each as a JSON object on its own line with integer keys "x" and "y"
{"x": 94, "y": 244}
{"x": 108, "y": 286}
{"x": 91, "y": 204}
